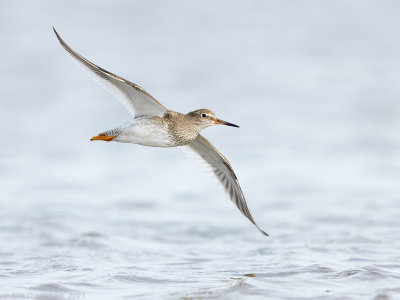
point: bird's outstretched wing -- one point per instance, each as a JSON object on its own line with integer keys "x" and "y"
{"x": 135, "y": 98}
{"x": 224, "y": 172}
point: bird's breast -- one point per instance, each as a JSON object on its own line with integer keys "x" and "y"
{"x": 182, "y": 133}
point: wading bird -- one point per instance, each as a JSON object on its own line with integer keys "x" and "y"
{"x": 156, "y": 126}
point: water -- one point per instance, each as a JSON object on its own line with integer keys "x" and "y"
{"x": 315, "y": 89}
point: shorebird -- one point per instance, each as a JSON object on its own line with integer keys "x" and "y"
{"x": 156, "y": 126}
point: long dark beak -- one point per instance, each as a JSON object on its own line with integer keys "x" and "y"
{"x": 218, "y": 121}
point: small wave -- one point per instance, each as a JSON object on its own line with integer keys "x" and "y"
{"x": 52, "y": 288}
{"x": 364, "y": 273}
{"x": 130, "y": 277}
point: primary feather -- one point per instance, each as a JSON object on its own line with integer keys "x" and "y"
{"x": 132, "y": 96}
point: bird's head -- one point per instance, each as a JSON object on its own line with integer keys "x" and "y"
{"x": 205, "y": 118}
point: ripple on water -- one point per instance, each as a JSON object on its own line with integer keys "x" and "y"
{"x": 364, "y": 273}
{"x": 89, "y": 239}
{"x": 228, "y": 289}
{"x": 131, "y": 277}
{"x": 52, "y": 288}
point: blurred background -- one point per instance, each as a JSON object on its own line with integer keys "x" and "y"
{"x": 314, "y": 86}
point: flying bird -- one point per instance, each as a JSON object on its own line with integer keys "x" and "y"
{"x": 156, "y": 126}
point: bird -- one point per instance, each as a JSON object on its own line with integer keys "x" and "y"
{"x": 156, "y": 126}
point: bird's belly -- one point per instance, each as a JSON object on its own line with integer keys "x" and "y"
{"x": 146, "y": 134}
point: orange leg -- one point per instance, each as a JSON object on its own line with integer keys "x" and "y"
{"x": 103, "y": 137}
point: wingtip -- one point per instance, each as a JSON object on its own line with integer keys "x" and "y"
{"x": 262, "y": 231}
{"x": 57, "y": 35}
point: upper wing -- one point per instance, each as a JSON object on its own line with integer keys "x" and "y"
{"x": 224, "y": 172}
{"x": 135, "y": 98}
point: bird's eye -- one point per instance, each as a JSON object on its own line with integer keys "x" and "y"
{"x": 203, "y": 115}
